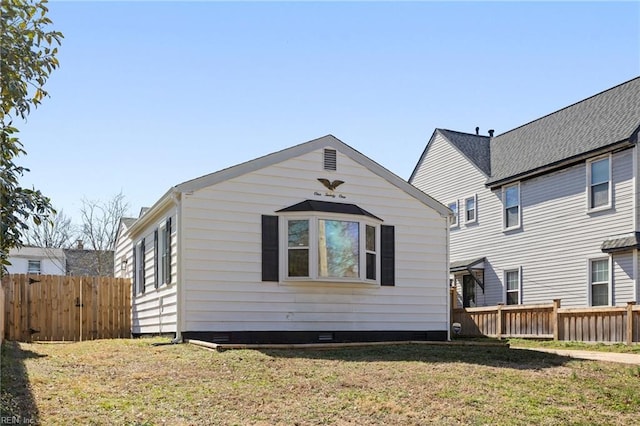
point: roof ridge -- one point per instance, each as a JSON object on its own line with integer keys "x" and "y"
{"x": 568, "y": 106}
{"x": 462, "y": 133}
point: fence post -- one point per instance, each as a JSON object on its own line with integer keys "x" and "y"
{"x": 499, "y": 321}
{"x": 630, "y": 322}
{"x": 554, "y": 319}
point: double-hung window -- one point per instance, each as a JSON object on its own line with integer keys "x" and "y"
{"x": 599, "y": 183}
{"x": 454, "y": 218}
{"x": 511, "y": 203}
{"x": 599, "y": 282}
{"x": 34, "y": 267}
{"x": 512, "y": 281}
{"x": 470, "y": 209}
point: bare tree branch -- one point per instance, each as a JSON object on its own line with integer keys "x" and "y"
{"x": 100, "y": 220}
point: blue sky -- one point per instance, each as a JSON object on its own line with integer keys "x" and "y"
{"x": 150, "y": 94}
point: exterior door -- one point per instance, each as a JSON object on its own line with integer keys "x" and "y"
{"x": 468, "y": 292}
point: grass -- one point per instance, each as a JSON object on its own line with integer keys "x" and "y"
{"x": 585, "y": 346}
{"x": 130, "y": 382}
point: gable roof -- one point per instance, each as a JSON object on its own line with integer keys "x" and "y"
{"x": 328, "y": 141}
{"x": 599, "y": 123}
{"x": 474, "y": 147}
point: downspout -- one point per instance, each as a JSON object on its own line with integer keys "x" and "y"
{"x": 177, "y": 198}
{"x": 636, "y": 286}
{"x": 447, "y": 229}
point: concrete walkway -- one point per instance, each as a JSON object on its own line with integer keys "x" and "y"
{"x": 623, "y": 358}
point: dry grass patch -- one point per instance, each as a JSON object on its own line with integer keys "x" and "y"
{"x": 132, "y": 382}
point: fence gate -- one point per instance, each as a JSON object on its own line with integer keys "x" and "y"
{"x": 66, "y": 308}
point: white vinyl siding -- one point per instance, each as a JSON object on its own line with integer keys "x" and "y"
{"x": 155, "y": 310}
{"x": 599, "y": 184}
{"x": 557, "y": 236}
{"x": 222, "y": 255}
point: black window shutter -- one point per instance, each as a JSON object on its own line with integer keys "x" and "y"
{"x": 168, "y": 249}
{"x": 270, "y": 262}
{"x": 156, "y": 259}
{"x": 143, "y": 260}
{"x": 134, "y": 269}
{"x": 388, "y": 255}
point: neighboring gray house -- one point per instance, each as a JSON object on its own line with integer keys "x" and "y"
{"x": 548, "y": 210}
{"x": 314, "y": 243}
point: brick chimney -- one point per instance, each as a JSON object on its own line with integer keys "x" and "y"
{"x": 80, "y": 245}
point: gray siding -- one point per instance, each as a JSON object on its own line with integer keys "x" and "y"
{"x": 558, "y": 234}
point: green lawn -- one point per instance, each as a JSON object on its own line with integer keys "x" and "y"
{"x": 131, "y": 382}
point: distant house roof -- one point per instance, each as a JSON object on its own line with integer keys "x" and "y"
{"x": 128, "y": 221}
{"x": 89, "y": 262}
{"x": 474, "y": 147}
{"x": 597, "y": 123}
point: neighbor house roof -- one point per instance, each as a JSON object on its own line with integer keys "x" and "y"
{"x": 474, "y": 147}
{"x": 599, "y": 123}
{"x": 89, "y": 262}
{"x": 283, "y": 155}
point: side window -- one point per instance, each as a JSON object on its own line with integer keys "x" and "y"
{"x": 511, "y": 203}
{"x": 599, "y": 183}
{"x": 599, "y": 282}
{"x": 34, "y": 267}
{"x": 298, "y": 248}
{"x": 512, "y": 283}
{"x": 454, "y": 208}
{"x": 470, "y": 209}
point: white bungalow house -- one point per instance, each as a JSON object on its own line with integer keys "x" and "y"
{"x": 548, "y": 210}
{"x": 315, "y": 243}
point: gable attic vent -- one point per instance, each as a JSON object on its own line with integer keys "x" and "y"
{"x": 330, "y": 159}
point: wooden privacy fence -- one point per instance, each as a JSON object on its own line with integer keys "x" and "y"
{"x": 596, "y": 324}
{"x": 66, "y": 308}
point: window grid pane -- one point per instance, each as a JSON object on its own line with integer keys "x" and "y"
{"x": 338, "y": 249}
{"x": 454, "y": 208}
{"x": 600, "y": 171}
{"x": 298, "y": 262}
{"x": 470, "y": 209}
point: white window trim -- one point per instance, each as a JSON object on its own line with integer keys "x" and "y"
{"x": 314, "y": 277}
{"x": 610, "y": 278}
{"x": 609, "y": 204}
{"x": 455, "y": 224}
{"x": 506, "y": 287}
{"x": 475, "y": 209}
{"x": 504, "y": 208}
